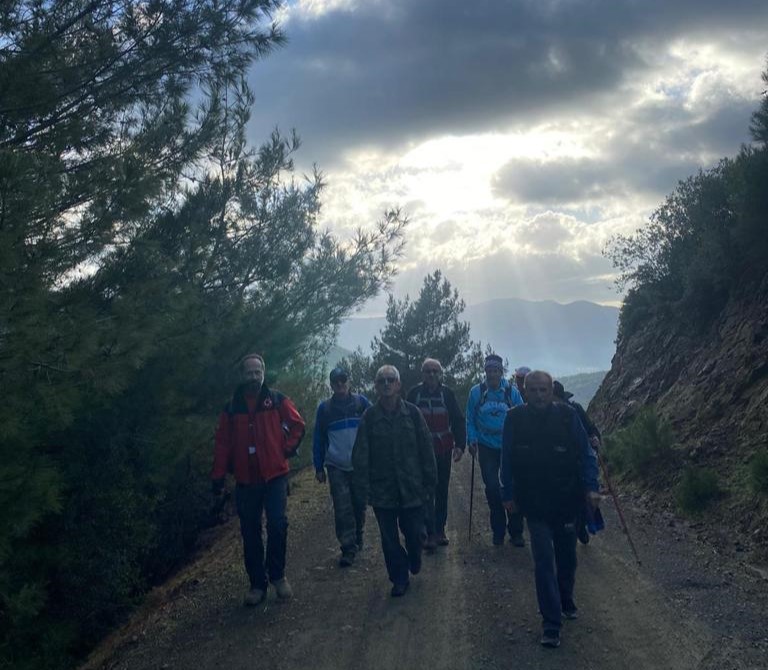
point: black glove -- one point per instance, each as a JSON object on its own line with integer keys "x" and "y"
{"x": 217, "y": 486}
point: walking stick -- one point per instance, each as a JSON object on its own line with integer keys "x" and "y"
{"x": 624, "y": 526}
{"x": 471, "y": 497}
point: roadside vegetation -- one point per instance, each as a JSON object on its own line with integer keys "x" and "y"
{"x": 145, "y": 246}
{"x": 706, "y": 242}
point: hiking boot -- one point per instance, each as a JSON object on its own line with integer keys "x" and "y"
{"x": 254, "y": 597}
{"x": 570, "y": 611}
{"x": 441, "y": 539}
{"x": 498, "y": 540}
{"x": 551, "y": 639}
{"x": 582, "y": 535}
{"x": 347, "y": 558}
{"x": 430, "y": 544}
{"x": 283, "y": 589}
{"x": 398, "y": 590}
{"x": 517, "y": 541}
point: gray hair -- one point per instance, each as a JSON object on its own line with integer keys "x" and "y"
{"x": 539, "y": 373}
{"x": 248, "y": 357}
{"x": 386, "y": 368}
{"x": 433, "y": 361}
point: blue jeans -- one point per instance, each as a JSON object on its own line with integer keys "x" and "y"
{"x": 501, "y": 520}
{"x": 253, "y": 501}
{"x": 554, "y": 556}
{"x": 400, "y": 560}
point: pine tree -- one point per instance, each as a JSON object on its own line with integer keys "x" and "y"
{"x": 144, "y": 247}
{"x": 431, "y": 327}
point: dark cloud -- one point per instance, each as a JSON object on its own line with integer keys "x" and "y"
{"x": 391, "y": 72}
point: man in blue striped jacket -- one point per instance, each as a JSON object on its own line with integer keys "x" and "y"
{"x": 336, "y": 425}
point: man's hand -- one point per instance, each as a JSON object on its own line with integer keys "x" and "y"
{"x": 509, "y": 505}
{"x": 593, "y": 500}
{"x": 473, "y": 449}
{"x": 457, "y": 454}
{"x": 320, "y": 476}
{"x": 217, "y": 486}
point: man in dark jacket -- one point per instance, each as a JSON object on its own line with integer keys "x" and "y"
{"x": 394, "y": 470}
{"x": 258, "y": 431}
{"x": 336, "y": 427}
{"x": 446, "y": 423}
{"x": 548, "y": 469}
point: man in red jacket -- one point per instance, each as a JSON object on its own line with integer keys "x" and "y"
{"x": 258, "y": 431}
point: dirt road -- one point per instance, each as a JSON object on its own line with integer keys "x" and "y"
{"x": 472, "y": 607}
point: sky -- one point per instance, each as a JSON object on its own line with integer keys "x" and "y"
{"x": 518, "y": 136}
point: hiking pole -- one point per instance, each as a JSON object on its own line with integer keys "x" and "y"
{"x": 471, "y": 497}
{"x": 624, "y": 526}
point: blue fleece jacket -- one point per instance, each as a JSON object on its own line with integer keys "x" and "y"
{"x": 336, "y": 425}
{"x": 485, "y": 417}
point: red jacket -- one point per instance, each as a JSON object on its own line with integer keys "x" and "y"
{"x": 272, "y": 430}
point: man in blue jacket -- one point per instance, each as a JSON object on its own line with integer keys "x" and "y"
{"x": 548, "y": 470}
{"x": 487, "y": 406}
{"x": 336, "y": 425}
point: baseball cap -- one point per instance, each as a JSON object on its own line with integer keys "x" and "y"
{"x": 338, "y": 373}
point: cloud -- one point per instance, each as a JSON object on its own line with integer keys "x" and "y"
{"x": 374, "y": 73}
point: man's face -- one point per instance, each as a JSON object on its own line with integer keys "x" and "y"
{"x": 340, "y": 385}
{"x": 387, "y": 384}
{"x": 431, "y": 374}
{"x": 520, "y": 381}
{"x": 538, "y": 391}
{"x": 493, "y": 376}
{"x": 253, "y": 373}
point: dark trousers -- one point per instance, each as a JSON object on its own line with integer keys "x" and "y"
{"x": 392, "y": 522}
{"x": 252, "y": 502}
{"x": 501, "y": 520}
{"x": 348, "y": 510}
{"x": 436, "y": 509}
{"x": 554, "y": 555}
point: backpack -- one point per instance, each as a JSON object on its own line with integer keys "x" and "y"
{"x": 484, "y": 395}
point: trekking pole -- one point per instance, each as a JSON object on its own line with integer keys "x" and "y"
{"x": 471, "y": 497}
{"x": 624, "y": 526}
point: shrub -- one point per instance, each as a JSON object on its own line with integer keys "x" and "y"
{"x": 758, "y": 472}
{"x": 646, "y": 440}
{"x": 696, "y": 490}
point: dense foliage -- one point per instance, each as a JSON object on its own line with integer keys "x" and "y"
{"x": 707, "y": 241}
{"x": 144, "y": 247}
{"x": 641, "y": 445}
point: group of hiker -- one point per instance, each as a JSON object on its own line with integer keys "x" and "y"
{"x": 535, "y": 449}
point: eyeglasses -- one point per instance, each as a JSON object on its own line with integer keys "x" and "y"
{"x": 386, "y": 380}
{"x": 339, "y": 380}
{"x": 431, "y": 372}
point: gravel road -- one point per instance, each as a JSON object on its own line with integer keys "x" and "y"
{"x": 472, "y": 607}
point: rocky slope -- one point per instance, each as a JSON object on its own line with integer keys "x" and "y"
{"x": 712, "y": 386}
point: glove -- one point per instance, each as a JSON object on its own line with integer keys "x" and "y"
{"x": 320, "y": 476}
{"x": 217, "y": 486}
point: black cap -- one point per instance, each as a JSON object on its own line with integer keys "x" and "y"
{"x": 559, "y": 391}
{"x": 337, "y": 373}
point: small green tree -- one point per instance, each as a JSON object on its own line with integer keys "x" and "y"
{"x": 430, "y": 326}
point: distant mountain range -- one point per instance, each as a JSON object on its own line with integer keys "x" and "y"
{"x": 563, "y": 339}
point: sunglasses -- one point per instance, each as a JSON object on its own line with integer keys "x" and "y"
{"x": 386, "y": 380}
{"x": 431, "y": 372}
{"x": 340, "y": 380}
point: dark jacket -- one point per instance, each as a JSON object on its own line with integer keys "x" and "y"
{"x": 274, "y": 429}
{"x": 393, "y": 460}
{"x": 547, "y": 464}
{"x": 443, "y": 416}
